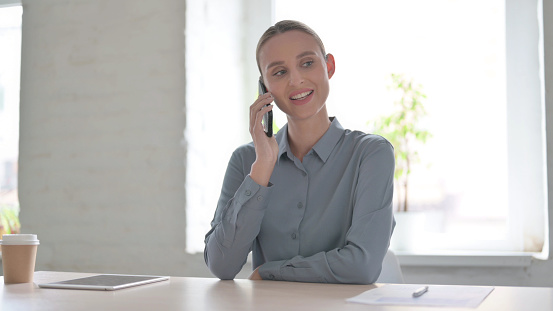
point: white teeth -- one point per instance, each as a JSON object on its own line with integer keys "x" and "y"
{"x": 301, "y": 95}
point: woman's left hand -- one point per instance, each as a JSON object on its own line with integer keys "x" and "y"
{"x": 255, "y": 275}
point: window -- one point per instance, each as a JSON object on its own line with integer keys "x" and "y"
{"x": 479, "y": 184}
{"x": 470, "y": 188}
{"x": 10, "y": 59}
{"x": 221, "y": 80}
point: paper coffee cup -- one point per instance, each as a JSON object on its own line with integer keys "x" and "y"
{"x": 19, "y": 257}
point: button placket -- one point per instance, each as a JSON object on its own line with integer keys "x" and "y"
{"x": 298, "y": 205}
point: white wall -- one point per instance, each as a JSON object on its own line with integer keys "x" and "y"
{"x": 102, "y": 117}
{"x": 101, "y": 161}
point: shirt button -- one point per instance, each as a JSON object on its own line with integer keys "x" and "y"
{"x": 304, "y": 173}
{"x": 248, "y": 192}
{"x": 300, "y": 205}
{"x": 294, "y": 236}
{"x": 271, "y": 277}
{"x": 259, "y": 198}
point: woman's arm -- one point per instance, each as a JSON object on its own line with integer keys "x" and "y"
{"x": 367, "y": 240}
{"x": 237, "y": 219}
{"x": 266, "y": 148}
{"x": 243, "y": 198}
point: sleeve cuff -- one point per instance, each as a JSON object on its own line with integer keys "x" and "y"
{"x": 251, "y": 190}
{"x": 271, "y": 270}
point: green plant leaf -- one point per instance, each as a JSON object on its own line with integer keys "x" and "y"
{"x": 401, "y": 127}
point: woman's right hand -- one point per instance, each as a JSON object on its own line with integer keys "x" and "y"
{"x": 266, "y": 148}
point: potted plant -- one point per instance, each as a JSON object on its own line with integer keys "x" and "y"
{"x": 402, "y": 129}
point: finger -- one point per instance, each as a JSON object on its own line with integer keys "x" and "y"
{"x": 268, "y": 94}
{"x": 264, "y": 110}
{"x": 261, "y": 101}
{"x": 258, "y": 117}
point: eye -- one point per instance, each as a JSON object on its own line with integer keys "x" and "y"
{"x": 307, "y": 63}
{"x": 279, "y": 73}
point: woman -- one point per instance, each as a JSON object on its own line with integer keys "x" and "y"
{"x": 314, "y": 202}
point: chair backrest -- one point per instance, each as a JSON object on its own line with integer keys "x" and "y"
{"x": 391, "y": 270}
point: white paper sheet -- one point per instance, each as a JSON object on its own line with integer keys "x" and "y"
{"x": 437, "y": 295}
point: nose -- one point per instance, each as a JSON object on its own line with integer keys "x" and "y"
{"x": 296, "y": 78}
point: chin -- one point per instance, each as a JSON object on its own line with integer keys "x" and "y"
{"x": 309, "y": 115}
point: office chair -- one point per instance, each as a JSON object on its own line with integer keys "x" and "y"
{"x": 391, "y": 270}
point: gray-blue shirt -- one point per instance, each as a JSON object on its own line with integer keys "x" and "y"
{"x": 326, "y": 219}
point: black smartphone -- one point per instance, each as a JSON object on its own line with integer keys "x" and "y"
{"x": 268, "y": 117}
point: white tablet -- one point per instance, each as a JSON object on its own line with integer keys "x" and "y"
{"x": 105, "y": 282}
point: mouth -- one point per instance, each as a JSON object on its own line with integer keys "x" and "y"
{"x": 301, "y": 95}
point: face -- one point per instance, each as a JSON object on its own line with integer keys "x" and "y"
{"x": 296, "y": 73}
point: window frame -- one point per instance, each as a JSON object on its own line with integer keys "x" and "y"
{"x": 519, "y": 259}
{"x": 7, "y": 3}
{"x": 523, "y": 73}
{"x": 512, "y": 258}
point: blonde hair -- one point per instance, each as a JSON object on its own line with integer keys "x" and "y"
{"x": 282, "y": 27}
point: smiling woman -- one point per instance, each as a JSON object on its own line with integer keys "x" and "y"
{"x": 290, "y": 72}
{"x": 314, "y": 202}
{"x": 484, "y": 106}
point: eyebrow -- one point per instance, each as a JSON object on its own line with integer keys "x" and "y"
{"x": 278, "y": 63}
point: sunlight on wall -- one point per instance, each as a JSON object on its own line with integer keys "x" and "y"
{"x": 10, "y": 61}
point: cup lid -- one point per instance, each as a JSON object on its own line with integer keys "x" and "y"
{"x": 19, "y": 239}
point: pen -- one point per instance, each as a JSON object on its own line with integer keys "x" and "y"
{"x": 419, "y": 292}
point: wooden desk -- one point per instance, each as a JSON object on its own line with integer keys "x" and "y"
{"x": 183, "y": 293}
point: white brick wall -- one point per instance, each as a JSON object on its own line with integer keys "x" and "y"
{"x": 102, "y": 117}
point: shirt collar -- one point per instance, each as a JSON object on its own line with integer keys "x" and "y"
{"x": 282, "y": 140}
{"x": 322, "y": 148}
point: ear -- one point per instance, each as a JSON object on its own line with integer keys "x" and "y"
{"x": 330, "y": 65}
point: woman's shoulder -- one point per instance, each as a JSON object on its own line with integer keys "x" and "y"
{"x": 367, "y": 141}
{"x": 371, "y": 148}
{"x": 245, "y": 152}
{"x": 245, "y": 148}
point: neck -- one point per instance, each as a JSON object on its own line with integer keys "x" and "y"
{"x": 304, "y": 134}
